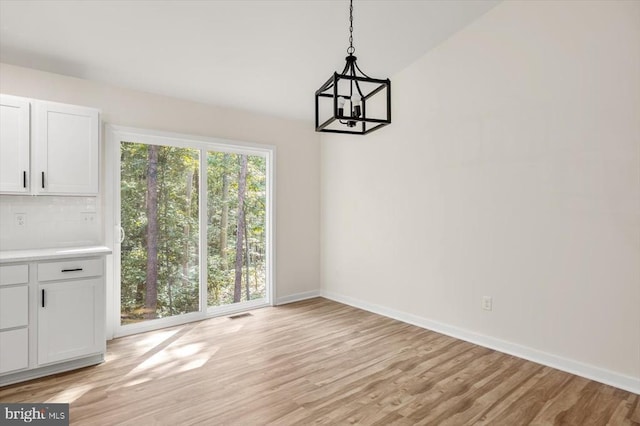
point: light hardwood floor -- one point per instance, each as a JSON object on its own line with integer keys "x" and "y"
{"x": 319, "y": 361}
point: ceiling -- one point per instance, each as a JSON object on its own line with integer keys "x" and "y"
{"x": 267, "y": 56}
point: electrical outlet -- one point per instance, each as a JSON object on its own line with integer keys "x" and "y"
{"x": 487, "y": 303}
{"x": 89, "y": 216}
{"x": 21, "y": 219}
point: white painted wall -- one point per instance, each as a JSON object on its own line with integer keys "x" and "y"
{"x": 511, "y": 169}
{"x": 298, "y": 152}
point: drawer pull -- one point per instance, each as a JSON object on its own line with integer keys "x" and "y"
{"x": 71, "y": 270}
{"x": 43, "y": 297}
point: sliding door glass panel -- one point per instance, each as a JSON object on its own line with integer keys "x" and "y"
{"x": 236, "y": 228}
{"x": 159, "y": 216}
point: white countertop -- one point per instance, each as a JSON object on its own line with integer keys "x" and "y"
{"x": 52, "y": 253}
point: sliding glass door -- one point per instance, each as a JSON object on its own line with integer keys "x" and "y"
{"x": 236, "y": 228}
{"x": 159, "y": 254}
{"x": 192, "y": 230}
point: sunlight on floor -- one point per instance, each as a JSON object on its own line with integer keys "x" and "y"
{"x": 176, "y": 358}
{"x": 146, "y": 344}
{"x": 192, "y": 365}
{"x": 154, "y": 339}
{"x": 69, "y": 395}
{"x": 233, "y": 329}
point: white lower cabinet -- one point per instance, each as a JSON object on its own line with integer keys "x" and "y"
{"x": 14, "y": 318}
{"x": 14, "y": 307}
{"x": 52, "y": 317}
{"x": 70, "y": 320}
{"x": 14, "y": 352}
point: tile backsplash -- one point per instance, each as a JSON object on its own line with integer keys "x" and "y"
{"x": 28, "y": 222}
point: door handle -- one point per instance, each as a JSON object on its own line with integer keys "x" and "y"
{"x": 24, "y": 179}
{"x": 43, "y": 297}
{"x": 42, "y": 180}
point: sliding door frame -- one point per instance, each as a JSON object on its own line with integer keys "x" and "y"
{"x": 111, "y": 199}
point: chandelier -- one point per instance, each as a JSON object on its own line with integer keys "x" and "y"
{"x": 351, "y": 101}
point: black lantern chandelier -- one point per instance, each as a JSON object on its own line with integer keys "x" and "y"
{"x": 353, "y": 102}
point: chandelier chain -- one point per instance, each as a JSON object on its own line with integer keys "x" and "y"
{"x": 351, "y": 49}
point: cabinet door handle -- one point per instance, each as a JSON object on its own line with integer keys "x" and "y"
{"x": 71, "y": 270}
{"x": 24, "y": 179}
{"x": 42, "y": 180}
{"x": 43, "y": 297}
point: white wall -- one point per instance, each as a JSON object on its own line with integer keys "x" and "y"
{"x": 511, "y": 169}
{"x": 298, "y": 152}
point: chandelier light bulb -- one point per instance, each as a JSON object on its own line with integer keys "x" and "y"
{"x": 341, "y": 106}
{"x": 356, "y": 108}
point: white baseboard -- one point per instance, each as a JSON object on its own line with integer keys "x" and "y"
{"x": 591, "y": 372}
{"x": 35, "y": 373}
{"x": 297, "y": 297}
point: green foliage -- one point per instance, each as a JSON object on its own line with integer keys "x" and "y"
{"x": 220, "y": 276}
{"x": 178, "y": 229}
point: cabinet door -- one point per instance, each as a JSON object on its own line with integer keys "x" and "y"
{"x": 70, "y": 320}
{"x": 14, "y": 306}
{"x": 14, "y": 350}
{"x": 14, "y": 145}
{"x": 66, "y": 143}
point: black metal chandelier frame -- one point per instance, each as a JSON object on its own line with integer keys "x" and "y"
{"x": 356, "y": 121}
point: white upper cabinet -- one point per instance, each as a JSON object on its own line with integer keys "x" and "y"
{"x": 14, "y": 145}
{"x": 65, "y": 149}
{"x": 62, "y": 155}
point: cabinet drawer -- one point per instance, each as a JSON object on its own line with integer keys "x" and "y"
{"x": 14, "y": 350}
{"x": 15, "y": 274}
{"x": 14, "y": 306}
{"x": 69, "y": 269}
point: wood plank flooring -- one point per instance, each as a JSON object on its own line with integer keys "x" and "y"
{"x": 320, "y": 362}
